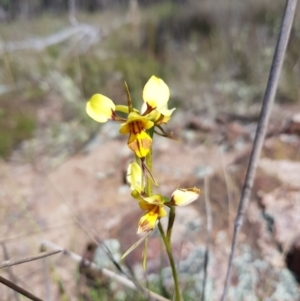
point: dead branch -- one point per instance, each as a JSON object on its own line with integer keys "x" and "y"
{"x": 19, "y": 289}
{"x": 126, "y": 282}
{"x": 12, "y": 262}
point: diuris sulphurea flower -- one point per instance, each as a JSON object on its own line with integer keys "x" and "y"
{"x": 154, "y": 112}
{"x": 141, "y": 126}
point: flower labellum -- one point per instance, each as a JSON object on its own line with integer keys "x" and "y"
{"x": 154, "y": 205}
{"x": 139, "y": 141}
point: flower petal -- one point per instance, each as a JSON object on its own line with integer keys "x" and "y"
{"x": 140, "y": 143}
{"x": 162, "y": 212}
{"x": 145, "y": 206}
{"x": 124, "y": 128}
{"x": 155, "y": 200}
{"x": 134, "y": 117}
{"x": 134, "y": 176}
{"x": 100, "y": 108}
{"x": 182, "y": 197}
{"x": 156, "y": 93}
{"x": 135, "y": 123}
{"x": 147, "y": 222}
{"x": 164, "y": 115}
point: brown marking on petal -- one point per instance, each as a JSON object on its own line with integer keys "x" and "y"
{"x": 134, "y": 145}
{"x": 136, "y": 127}
{"x": 148, "y": 110}
{"x": 145, "y": 226}
{"x": 140, "y": 146}
{"x": 194, "y": 189}
{"x": 146, "y": 143}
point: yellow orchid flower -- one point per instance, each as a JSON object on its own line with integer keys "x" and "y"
{"x": 139, "y": 141}
{"x": 155, "y": 112}
{"x": 134, "y": 177}
{"x": 100, "y": 108}
{"x": 155, "y": 210}
{"x": 154, "y": 205}
{"x": 184, "y": 196}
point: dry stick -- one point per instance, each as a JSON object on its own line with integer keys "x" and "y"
{"x": 126, "y": 282}
{"x": 261, "y": 128}
{"x": 208, "y": 233}
{"x": 19, "y": 289}
{"x": 8, "y": 263}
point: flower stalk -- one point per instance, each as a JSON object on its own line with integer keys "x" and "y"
{"x": 141, "y": 126}
{"x": 168, "y": 247}
{"x": 166, "y": 238}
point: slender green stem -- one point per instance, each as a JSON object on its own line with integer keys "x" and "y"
{"x": 171, "y": 222}
{"x": 149, "y": 189}
{"x": 166, "y": 239}
{"x": 172, "y": 262}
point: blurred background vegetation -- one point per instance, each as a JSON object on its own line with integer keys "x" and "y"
{"x": 215, "y": 55}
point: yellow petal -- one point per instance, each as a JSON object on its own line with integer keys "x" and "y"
{"x": 144, "y": 122}
{"x": 135, "y": 123}
{"x": 155, "y": 200}
{"x": 140, "y": 143}
{"x": 100, "y": 108}
{"x": 145, "y": 206}
{"x": 162, "y": 212}
{"x": 156, "y": 93}
{"x": 182, "y": 197}
{"x": 124, "y": 128}
{"x": 159, "y": 115}
{"x": 134, "y": 176}
{"x": 166, "y": 112}
{"x": 147, "y": 222}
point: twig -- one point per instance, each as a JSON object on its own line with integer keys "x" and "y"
{"x": 19, "y": 289}
{"x": 261, "y": 128}
{"x": 208, "y": 233}
{"x": 12, "y": 262}
{"x": 106, "y": 272}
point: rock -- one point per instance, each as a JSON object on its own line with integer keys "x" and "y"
{"x": 286, "y": 171}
